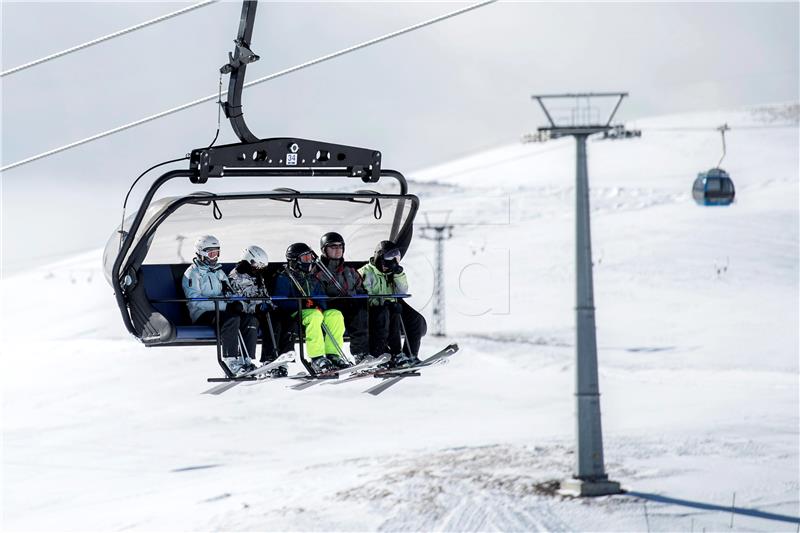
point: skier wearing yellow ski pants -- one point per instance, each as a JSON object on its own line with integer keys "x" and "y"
{"x": 298, "y": 282}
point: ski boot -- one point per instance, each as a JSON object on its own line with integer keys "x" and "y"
{"x": 414, "y": 360}
{"x": 389, "y": 364}
{"x": 238, "y": 365}
{"x": 338, "y": 361}
{"x": 321, "y": 365}
{"x": 359, "y": 357}
{"x": 401, "y": 360}
{"x": 246, "y": 364}
{"x": 234, "y": 364}
{"x": 279, "y": 372}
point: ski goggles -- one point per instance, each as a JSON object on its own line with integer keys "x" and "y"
{"x": 212, "y": 253}
{"x": 307, "y": 258}
{"x": 392, "y": 255}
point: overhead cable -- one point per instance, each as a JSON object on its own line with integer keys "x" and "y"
{"x": 106, "y": 38}
{"x": 249, "y": 84}
{"x": 716, "y": 128}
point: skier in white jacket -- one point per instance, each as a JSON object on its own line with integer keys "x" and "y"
{"x": 249, "y": 279}
{"x": 206, "y": 279}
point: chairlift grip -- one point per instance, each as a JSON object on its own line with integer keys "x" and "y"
{"x": 237, "y": 66}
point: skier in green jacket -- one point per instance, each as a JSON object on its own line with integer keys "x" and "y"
{"x": 387, "y": 315}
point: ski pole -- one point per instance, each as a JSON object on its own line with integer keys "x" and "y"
{"x": 242, "y": 346}
{"x": 271, "y": 334}
{"x": 405, "y": 335}
{"x": 325, "y": 270}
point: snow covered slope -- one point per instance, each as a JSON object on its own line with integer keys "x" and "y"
{"x": 697, "y": 312}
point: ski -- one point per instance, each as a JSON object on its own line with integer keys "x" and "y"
{"x": 288, "y": 357}
{"x": 394, "y": 376}
{"x": 437, "y": 358}
{"x": 334, "y": 374}
{"x": 299, "y": 375}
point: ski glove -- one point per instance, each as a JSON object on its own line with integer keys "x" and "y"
{"x": 226, "y": 289}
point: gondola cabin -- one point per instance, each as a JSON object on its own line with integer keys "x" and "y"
{"x": 714, "y": 187}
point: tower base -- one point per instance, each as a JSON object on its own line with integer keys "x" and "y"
{"x": 584, "y": 487}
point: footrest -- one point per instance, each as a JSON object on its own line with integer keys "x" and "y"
{"x": 395, "y": 374}
{"x": 222, "y": 380}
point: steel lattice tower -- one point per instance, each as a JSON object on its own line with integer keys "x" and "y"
{"x": 439, "y": 234}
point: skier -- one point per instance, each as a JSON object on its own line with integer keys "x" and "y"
{"x": 338, "y": 279}
{"x": 298, "y": 280}
{"x": 249, "y": 279}
{"x": 384, "y": 275}
{"x": 206, "y": 279}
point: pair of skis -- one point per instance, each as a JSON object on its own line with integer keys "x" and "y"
{"x": 308, "y": 381}
{"x": 392, "y": 376}
{"x": 286, "y": 358}
{"x": 367, "y": 368}
{"x": 363, "y": 366}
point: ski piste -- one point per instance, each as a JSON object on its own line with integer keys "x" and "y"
{"x": 367, "y": 363}
{"x": 401, "y": 373}
{"x": 437, "y": 358}
{"x": 288, "y": 357}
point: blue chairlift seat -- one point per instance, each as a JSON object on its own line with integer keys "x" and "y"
{"x": 163, "y": 282}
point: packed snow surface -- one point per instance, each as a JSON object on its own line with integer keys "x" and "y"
{"x": 697, "y": 326}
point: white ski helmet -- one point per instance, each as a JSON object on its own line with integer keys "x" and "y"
{"x": 256, "y": 256}
{"x": 205, "y": 244}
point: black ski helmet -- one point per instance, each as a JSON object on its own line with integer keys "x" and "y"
{"x": 294, "y": 251}
{"x": 330, "y": 238}
{"x": 382, "y": 248}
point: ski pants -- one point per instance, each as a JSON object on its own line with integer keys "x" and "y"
{"x": 317, "y": 343}
{"x": 416, "y": 328}
{"x": 282, "y": 334}
{"x": 356, "y": 318}
{"x": 385, "y": 332}
{"x": 285, "y": 325}
{"x": 233, "y": 321}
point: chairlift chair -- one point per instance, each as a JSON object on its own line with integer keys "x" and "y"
{"x": 144, "y": 261}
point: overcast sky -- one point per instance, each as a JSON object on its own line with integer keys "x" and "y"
{"x": 423, "y": 98}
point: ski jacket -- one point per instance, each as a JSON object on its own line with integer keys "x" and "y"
{"x": 284, "y": 286}
{"x": 347, "y": 276}
{"x": 203, "y": 281}
{"x": 246, "y": 281}
{"x": 377, "y": 282}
